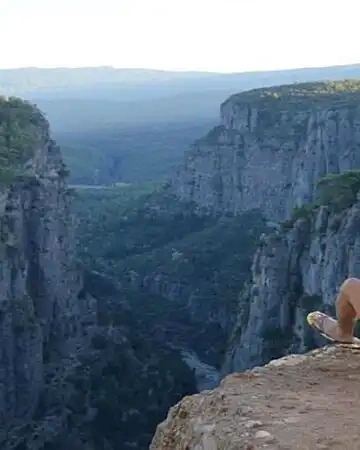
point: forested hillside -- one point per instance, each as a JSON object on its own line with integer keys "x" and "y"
{"x": 128, "y": 154}
{"x": 163, "y": 249}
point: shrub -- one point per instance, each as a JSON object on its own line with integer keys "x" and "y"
{"x": 19, "y": 123}
{"x": 338, "y": 191}
{"x": 299, "y": 212}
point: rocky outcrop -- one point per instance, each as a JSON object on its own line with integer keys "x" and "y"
{"x": 271, "y": 146}
{"x": 45, "y": 314}
{"x": 295, "y": 270}
{"x": 281, "y": 405}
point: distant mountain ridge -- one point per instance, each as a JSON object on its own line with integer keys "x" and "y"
{"x": 32, "y": 80}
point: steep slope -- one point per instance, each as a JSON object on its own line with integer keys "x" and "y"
{"x": 45, "y": 314}
{"x": 297, "y": 402}
{"x": 271, "y": 147}
{"x": 297, "y": 269}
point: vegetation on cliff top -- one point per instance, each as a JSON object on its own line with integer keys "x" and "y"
{"x": 19, "y": 125}
{"x": 339, "y": 191}
{"x": 281, "y": 112}
{"x": 309, "y": 94}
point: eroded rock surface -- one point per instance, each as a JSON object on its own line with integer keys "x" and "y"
{"x": 303, "y": 402}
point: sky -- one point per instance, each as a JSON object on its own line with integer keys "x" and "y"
{"x": 211, "y": 35}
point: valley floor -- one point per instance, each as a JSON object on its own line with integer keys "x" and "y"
{"x": 302, "y": 402}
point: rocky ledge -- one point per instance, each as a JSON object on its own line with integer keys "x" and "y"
{"x": 306, "y": 401}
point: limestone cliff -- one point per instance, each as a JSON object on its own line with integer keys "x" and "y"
{"x": 44, "y": 312}
{"x": 296, "y": 270}
{"x": 271, "y": 146}
{"x": 298, "y": 402}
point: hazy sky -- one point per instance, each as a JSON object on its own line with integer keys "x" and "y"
{"x": 219, "y": 35}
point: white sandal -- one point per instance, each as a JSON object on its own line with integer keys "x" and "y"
{"x": 320, "y": 322}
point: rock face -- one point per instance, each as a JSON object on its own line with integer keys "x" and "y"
{"x": 279, "y": 406}
{"x": 45, "y": 314}
{"x": 271, "y": 147}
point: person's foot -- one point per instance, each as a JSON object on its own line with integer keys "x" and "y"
{"x": 329, "y": 328}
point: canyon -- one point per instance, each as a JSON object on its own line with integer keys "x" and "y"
{"x": 107, "y": 323}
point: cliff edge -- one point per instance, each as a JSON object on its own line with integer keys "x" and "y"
{"x": 306, "y": 401}
{"x": 45, "y": 314}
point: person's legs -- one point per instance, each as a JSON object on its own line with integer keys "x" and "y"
{"x": 348, "y": 306}
{"x": 347, "y": 311}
